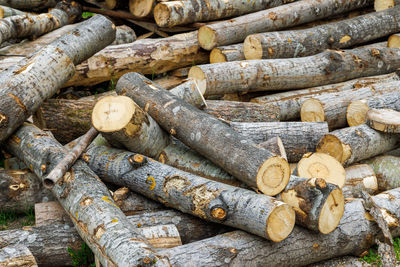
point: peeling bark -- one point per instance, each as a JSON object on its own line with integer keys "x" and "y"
{"x": 386, "y": 171}
{"x": 227, "y": 53}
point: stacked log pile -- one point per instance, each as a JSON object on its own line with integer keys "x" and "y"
{"x": 200, "y": 133}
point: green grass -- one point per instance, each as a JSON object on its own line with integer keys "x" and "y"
{"x": 12, "y": 219}
{"x": 83, "y": 257}
{"x": 374, "y": 258}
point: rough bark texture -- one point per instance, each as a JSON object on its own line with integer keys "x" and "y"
{"x": 209, "y": 200}
{"x": 384, "y": 120}
{"x": 336, "y": 35}
{"x": 333, "y": 107}
{"x": 172, "y": 13}
{"x": 290, "y": 102}
{"x": 227, "y": 53}
{"x": 14, "y": 256}
{"x": 208, "y": 136}
{"x": 237, "y": 29}
{"x": 346, "y": 261}
{"x": 294, "y": 73}
{"x": 52, "y": 212}
{"x": 29, "y": 4}
{"x": 20, "y": 190}
{"x": 354, "y": 235}
{"x": 360, "y": 177}
{"x": 234, "y": 111}
{"x": 298, "y": 137}
{"x": 190, "y": 93}
{"x": 352, "y": 144}
{"x": 386, "y": 171}
{"x": 44, "y": 73}
{"x": 148, "y": 56}
{"x": 87, "y": 201}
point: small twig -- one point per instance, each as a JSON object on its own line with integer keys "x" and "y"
{"x": 66, "y": 163}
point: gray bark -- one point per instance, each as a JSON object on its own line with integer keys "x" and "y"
{"x": 8, "y": 12}
{"x": 29, "y": 4}
{"x": 14, "y": 256}
{"x": 189, "y": 92}
{"x": 360, "y": 177}
{"x": 386, "y": 171}
{"x": 227, "y": 53}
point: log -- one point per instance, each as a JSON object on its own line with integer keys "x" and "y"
{"x": 334, "y": 107}
{"x": 52, "y": 212}
{"x": 235, "y": 111}
{"x": 294, "y": 73}
{"x": 190, "y": 93}
{"x": 394, "y": 40}
{"x": 6, "y": 11}
{"x": 132, "y": 204}
{"x": 17, "y": 256}
{"x": 275, "y": 145}
{"x": 386, "y": 171}
{"x": 208, "y": 136}
{"x": 360, "y": 177}
{"x": 335, "y": 35}
{"x": 169, "y": 82}
{"x": 40, "y": 76}
{"x": 343, "y": 261}
{"x": 352, "y": 144}
{"x": 290, "y": 102}
{"x": 124, "y": 35}
{"x": 209, "y": 200}
{"x": 357, "y": 110}
{"x": 148, "y": 56}
{"x": 319, "y": 205}
{"x": 298, "y": 137}
{"x": 320, "y": 165}
{"x": 29, "y": 4}
{"x": 172, "y": 13}
{"x": 86, "y": 200}
{"x": 142, "y": 8}
{"x": 227, "y": 53}
{"x": 237, "y": 29}
{"x": 384, "y": 120}
{"x": 20, "y": 190}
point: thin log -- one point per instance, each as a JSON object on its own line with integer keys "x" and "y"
{"x": 40, "y": 76}
{"x": 190, "y": 93}
{"x": 148, "y": 56}
{"x": 360, "y": 177}
{"x": 209, "y": 200}
{"x": 384, "y": 120}
{"x": 335, "y": 109}
{"x": 290, "y": 102}
{"x": 237, "y": 29}
{"x": 142, "y": 8}
{"x": 335, "y": 35}
{"x": 294, "y": 73}
{"x": 234, "y": 111}
{"x": 86, "y": 200}
{"x": 14, "y": 256}
{"x": 6, "y": 11}
{"x": 298, "y": 137}
{"x": 386, "y": 171}
{"x": 227, "y": 53}
{"x": 352, "y": 144}
{"x": 29, "y": 4}
{"x": 208, "y": 136}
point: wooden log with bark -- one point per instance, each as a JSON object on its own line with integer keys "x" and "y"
{"x": 190, "y": 93}
{"x": 29, "y": 4}
{"x": 6, "y": 11}
{"x": 294, "y": 73}
{"x": 142, "y": 8}
{"x": 209, "y": 200}
{"x": 352, "y": 144}
{"x": 19, "y": 255}
{"x": 360, "y": 177}
{"x": 86, "y": 200}
{"x": 334, "y": 107}
{"x": 28, "y": 84}
{"x": 298, "y": 138}
{"x": 386, "y": 171}
{"x": 336, "y": 35}
{"x": 290, "y": 102}
{"x": 227, "y": 53}
{"x": 208, "y": 136}
{"x": 384, "y": 120}
{"x": 236, "y": 30}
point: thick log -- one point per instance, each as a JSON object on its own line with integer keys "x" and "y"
{"x": 384, "y": 120}
{"x": 235, "y": 111}
{"x": 386, "y": 171}
{"x": 237, "y": 29}
{"x": 208, "y": 136}
{"x": 290, "y": 102}
{"x": 85, "y": 199}
{"x": 52, "y": 212}
{"x": 131, "y": 203}
{"x": 360, "y": 177}
{"x": 14, "y": 256}
{"x": 20, "y": 190}
{"x": 6, "y": 11}
{"x": 40, "y": 76}
{"x": 294, "y": 73}
{"x": 319, "y": 205}
{"x": 142, "y": 8}
{"x": 29, "y": 4}
{"x": 227, "y": 53}
{"x": 336, "y": 35}
{"x": 172, "y": 13}
{"x": 148, "y": 56}
{"x": 298, "y": 137}
{"x": 209, "y": 200}
{"x": 352, "y": 144}
{"x": 357, "y": 110}
{"x": 334, "y": 107}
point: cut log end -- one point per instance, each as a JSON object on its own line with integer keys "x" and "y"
{"x": 331, "y": 145}
{"x": 207, "y": 38}
{"x": 312, "y": 110}
{"x": 216, "y": 56}
{"x": 161, "y": 14}
{"x": 280, "y": 223}
{"x": 383, "y": 4}
{"x": 199, "y": 78}
{"x": 273, "y": 176}
{"x": 112, "y": 113}
{"x": 331, "y": 212}
{"x": 384, "y": 120}
{"x": 252, "y": 48}
{"x": 321, "y": 165}
{"x": 394, "y": 41}
{"x": 356, "y": 113}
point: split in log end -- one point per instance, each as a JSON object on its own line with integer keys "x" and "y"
{"x": 331, "y": 212}
{"x": 207, "y": 38}
{"x": 280, "y": 223}
{"x": 312, "y": 110}
{"x": 252, "y": 48}
{"x": 199, "y": 78}
{"x": 394, "y": 41}
{"x": 331, "y": 145}
{"x": 273, "y": 176}
{"x": 356, "y": 112}
{"x": 384, "y": 120}
{"x": 216, "y": 56}
{"x": 380, "y": 5}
